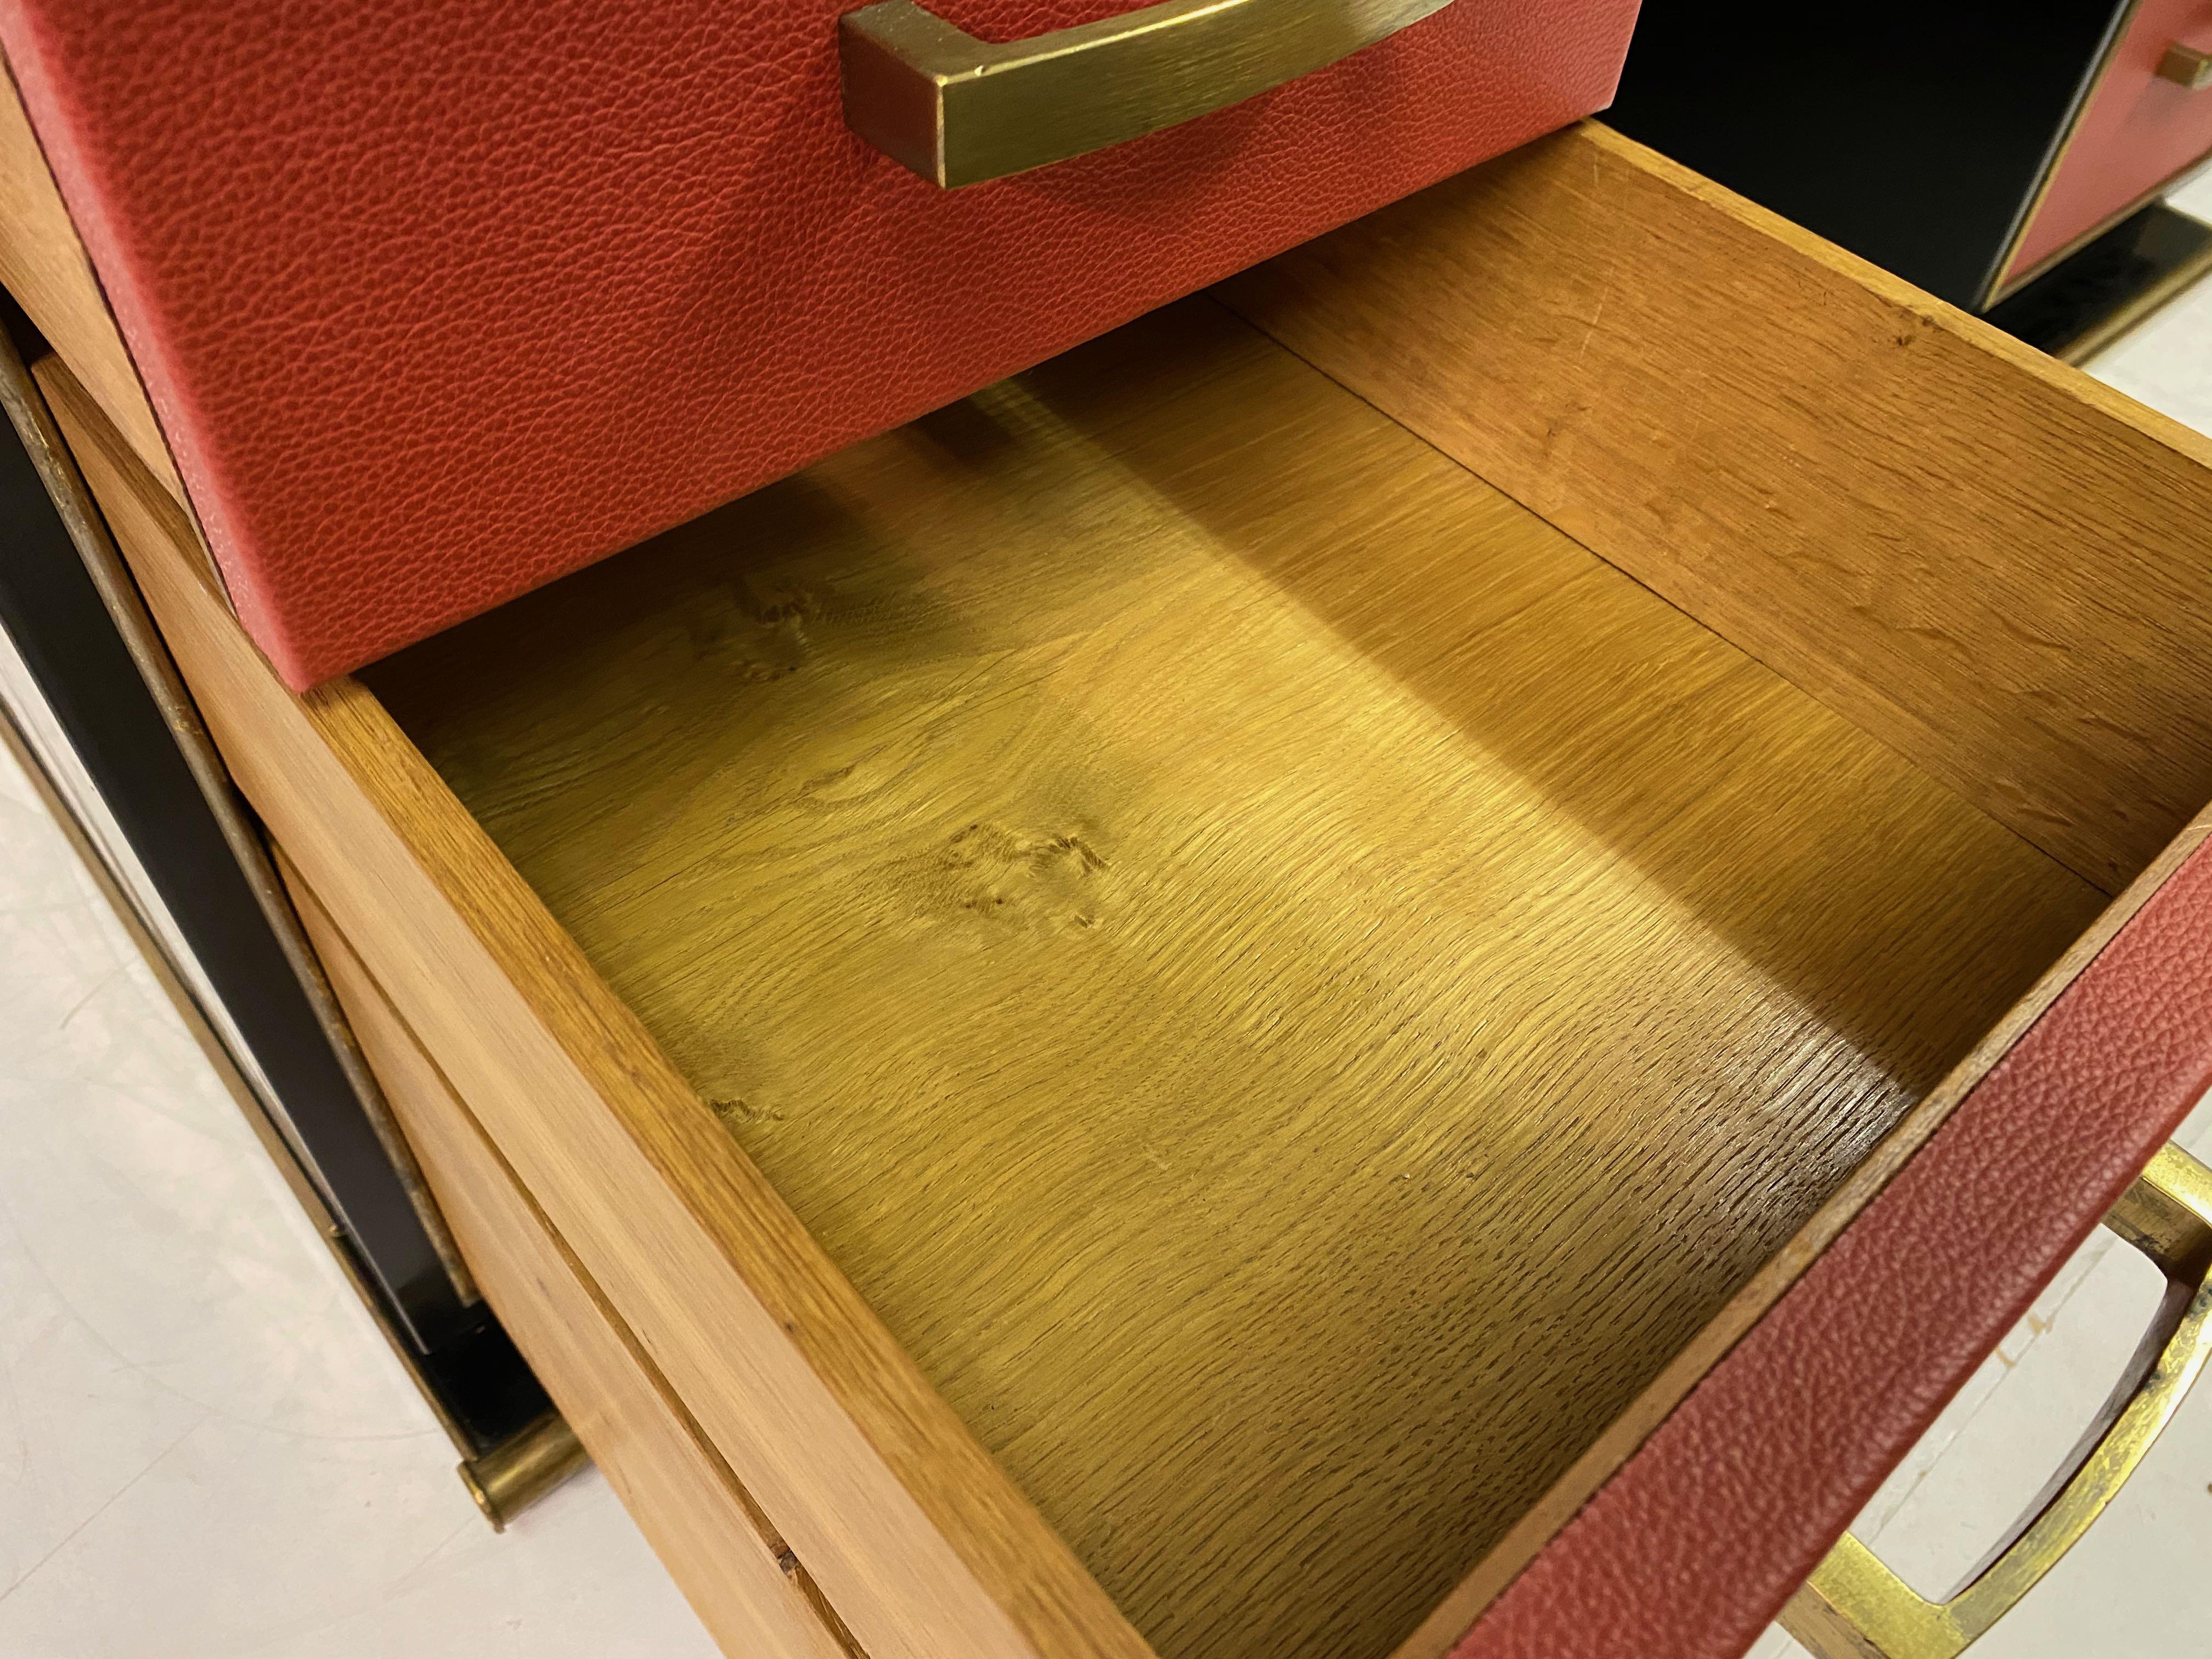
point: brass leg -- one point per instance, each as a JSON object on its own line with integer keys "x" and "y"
{"x": 519, "y": 1471}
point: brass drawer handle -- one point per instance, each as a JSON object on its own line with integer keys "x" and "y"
{"x": 2186, "y": 66}
{"x": 1855, "y": 1608}
{"x": 958, "y": 111}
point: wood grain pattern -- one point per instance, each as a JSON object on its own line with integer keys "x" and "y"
{"x": 724, "y": 1555}
{"x": 1451, "y": 1618}
{"x": 43, "y": 266}
{"x": 1293, "y": 988}
{"x": 1983, "y": 557}
{"x": 883, "y": 1495}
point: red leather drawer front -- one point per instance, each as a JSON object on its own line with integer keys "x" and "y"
{"x": 438, "y": 300}
{"x": 2136, "y": 133}
{"x": 1694, "y": 1546}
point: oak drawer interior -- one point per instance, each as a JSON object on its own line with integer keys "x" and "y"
{"x": 1306, "y": 913}
{"x": 1291, "y": 986}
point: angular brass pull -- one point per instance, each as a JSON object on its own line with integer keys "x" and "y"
{"x": 1855, "y": 1608}
{"x": 2186, "y": 66}
{"x": 958, "y": 111}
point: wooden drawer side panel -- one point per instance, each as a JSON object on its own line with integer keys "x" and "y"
{"x": 739, "y": 1576}
{"x": 1980, "y": 556}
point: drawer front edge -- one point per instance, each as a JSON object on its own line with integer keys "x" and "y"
{"x": 738, "y": 1576}
{"x": 1695, "y": 1545}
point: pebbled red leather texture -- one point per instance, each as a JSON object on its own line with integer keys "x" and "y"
{"x": 1691, "y": 1550}
{"x": 439, "y": 299}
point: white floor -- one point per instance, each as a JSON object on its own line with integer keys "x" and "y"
{"x": 2166, "y": 362}
{"x": 206, "y": 1451}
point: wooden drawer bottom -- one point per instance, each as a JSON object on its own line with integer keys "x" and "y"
{"x": 1161, "y": 1014}
{"x": 1291, "y": 987}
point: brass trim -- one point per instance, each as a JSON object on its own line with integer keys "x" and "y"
{"x": 501, "y": 1490}
{"x": 2000, "y": 282}
{"x": 26, "y": 410}
{"x": 17, "y": 745}
{"x": 507, "y": 1478}
{"x": 521, "y": 1469}
{"x": 959, "y": 111}
{"x": 2186, "y": 66}
{"x": 1855, "y": 1608}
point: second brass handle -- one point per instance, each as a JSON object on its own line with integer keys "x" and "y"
{"x": 2186, "y": 66}
{"x": 1855, "y": 1608}
{"x": 958, "y": 110}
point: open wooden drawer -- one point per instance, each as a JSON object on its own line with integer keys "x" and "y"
{"x": 1169, "y": 1011}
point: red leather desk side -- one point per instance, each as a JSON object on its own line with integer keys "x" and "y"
{"x": 1692, "y": 1548}
{"x": 2136, "y": 133}
{"x": 438, "y": 301}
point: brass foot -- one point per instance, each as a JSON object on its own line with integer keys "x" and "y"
{"x": 519, "y": 1471}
